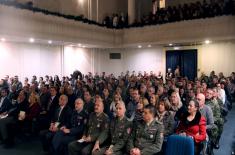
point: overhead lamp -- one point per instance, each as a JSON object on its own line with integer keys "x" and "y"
{"x": 3, "y": 39}
{"x": 207, "y": 41}
{"x": 31, "y": 40}
{"x": 176, "y": 48}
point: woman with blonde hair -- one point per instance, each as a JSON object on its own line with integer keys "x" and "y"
{"x": 116, "y": 98}
{"x": 25, "y": 118}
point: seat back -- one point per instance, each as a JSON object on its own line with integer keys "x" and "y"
{"x": 179, "y": 145}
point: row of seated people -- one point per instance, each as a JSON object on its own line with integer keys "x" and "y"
{"x": 71, "y": 119}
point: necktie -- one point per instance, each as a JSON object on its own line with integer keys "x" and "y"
{"x": 49, "y": 104}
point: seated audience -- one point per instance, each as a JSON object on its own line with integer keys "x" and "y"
{"x": 132, "y": 105}
{"x": 5, "y": 103}
{"x": 11, "y": 118}
{"x": 175, "y": 102}
{"x": 147, "y": 136}
{"x": 94, "y": 134}
{"x": 25, "y": 120}
{"x": 73, "y": 131}
{"x": 165, "y": 116}
{"x": 117, "y": 97}
{"x": 193, "y": 124}
{"x": 119, "y": 132}
{"x": 61, "y": 118}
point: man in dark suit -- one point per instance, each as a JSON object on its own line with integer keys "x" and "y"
{"x": 67, "y": 134}
{"x": 61, "y": 117}
{"x": 5, "y": 104}
{"x": 48, "y": 110}
{"x": 8, "y": 122}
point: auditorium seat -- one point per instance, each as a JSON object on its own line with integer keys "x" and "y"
{"x": 179, "y": 145}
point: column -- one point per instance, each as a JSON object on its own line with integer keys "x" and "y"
{"x": 131, "y": 11}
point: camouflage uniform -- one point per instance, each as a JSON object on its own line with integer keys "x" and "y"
{"x": 218, "y": 120}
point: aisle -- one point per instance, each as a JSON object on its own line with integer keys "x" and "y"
{"x": 227, "y": 140}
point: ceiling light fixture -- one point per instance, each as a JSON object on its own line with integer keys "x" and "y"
{"x": 139, "y": 46}
{"x": 3, "y": 39}
{"x": 207, "y": 41}
{"x": 149, "y": 46}
{"x": 31, "y": 40}
{"x": 170, "y": 44}
{"x": 176, "y": 48}
{"x": 49, "y": 42}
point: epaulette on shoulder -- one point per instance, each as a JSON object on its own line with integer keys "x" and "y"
{"x": 158, "y": 122}
{"x": 105, "y": 115}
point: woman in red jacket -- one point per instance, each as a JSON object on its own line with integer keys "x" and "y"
{"x": 193, "y": 124}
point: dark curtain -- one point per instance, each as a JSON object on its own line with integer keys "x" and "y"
{"x": 172, "y": 60}
{"x": 185, "y": 59}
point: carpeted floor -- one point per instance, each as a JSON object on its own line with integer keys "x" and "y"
{"x": 33, "y": 146}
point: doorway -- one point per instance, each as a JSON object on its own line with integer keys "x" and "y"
{"x": 185, "y": 59}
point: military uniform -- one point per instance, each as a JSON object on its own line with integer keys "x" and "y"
{"x": 220, "y": 120}
{"x": 76, "y": 127}
{"x": 97, "y": 129}
{"x": 216, "y": 131}
{"x": 119, "y": 132}
{"x": 148, "y": 138}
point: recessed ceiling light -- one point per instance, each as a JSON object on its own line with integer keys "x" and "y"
{"x": 3, "y": 39}
{"x": 149, "y": 46}
{"x": 139, "y": 46}
{"x": 207, "y": 41}
{"x": 31, "y": 40}
{"x": 79, "y": 45}
{"x": 176, "y": 48}
{"x": 49, "y": 42}
{"x": 83, "y": 46}
{"x": 170, "y": 44}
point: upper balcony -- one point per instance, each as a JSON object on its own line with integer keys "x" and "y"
{"x": 19, "y": 24}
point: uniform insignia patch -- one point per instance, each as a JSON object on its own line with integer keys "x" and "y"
{"x": 128, "y": 130}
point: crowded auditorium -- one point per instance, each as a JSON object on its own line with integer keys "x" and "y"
{"x": 117, "y": 77}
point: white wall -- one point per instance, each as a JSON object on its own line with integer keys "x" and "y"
{"x": 219, "y": 57}
{"x": 151, "y": 59}
{"x": 77, "y": 59}
{"x": 26, "y": 60}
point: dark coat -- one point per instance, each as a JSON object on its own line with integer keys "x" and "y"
{"x": 168, "y": 122}
{"x": 63, "y": 118}
{"x": 6, "y": 105}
